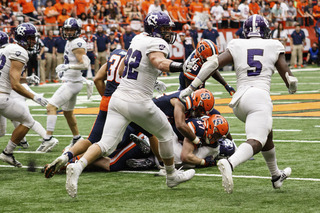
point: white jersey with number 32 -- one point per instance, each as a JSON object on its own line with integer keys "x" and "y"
{"x": 140, "y": 75}
{"x": 10, "y": 52}
{"x": 254, "y": 60}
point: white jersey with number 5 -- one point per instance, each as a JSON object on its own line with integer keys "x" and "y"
{"x": 70, "y": 58}
{"x": 254, "y": 60}
{"x": 10, "y": 52}
{"x": 139, "y": 74}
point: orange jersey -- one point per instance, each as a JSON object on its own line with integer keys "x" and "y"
{"x": 52, "y": 19}
{"x": 183, "y": 12}
{"x": 196, "y": 7}
{"x": 104, "y": 103}
{"x": 82, "y": 6}
{"x": 316, "y": 11}
{"x": 61, "y": 19}
{"x": 27, "y": 6}
{"x": 301, "y": 7}
{"x": 14, "y": 6}
{"x": 60, "y": 6}
{"x": 254, "y": 8}
{"x": 173, "y": 11}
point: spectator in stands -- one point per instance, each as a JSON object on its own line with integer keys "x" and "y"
{"x": 245, "y": 11}
{"x": 27, "y": 8}
{"x": 92, "y": 50}
{"x": 316, "y": 11}
{"x": 14, "y": 5}
{"x": 235, "y": 17}
{"x": 127, "y": 38}
{"x": 194, "y": 33}
{"x": 103, "y": 46}
{"x": 145, "y": 7}
{"x": 50, "y": 57}
{"x": 58, "y": 49}
{"x": 7, "y": 16}
{"x": 113, "y": 11}
{"x": 184, "y": 13}
{"x": 164, "y": 9}
{"x": 291, "y": 14}
{"x": 297, "y": 42}
{"x": 211, "y": 34}
{"x": 309, "y": 19}
{"x": 63, "y": 5}
{"x": 195, "y": 7}
{"x": 276, "y": 13}
{"x": 280, "y": 34}
{"x": 226, "y": 16}
{"x": 254, "y": 7}
{"x": 174, "y": 14}
{"x": 266, "y": 12}
{"x": 313, "y": 55}
{"x": 81, "y": 6}
{"x": 62, "y": 17}
{"x": 135, "y": 19}
{"x": 300, "y": 11}
{"x": 154, "y": 7}
{"x": 217, "y": 14}
{"x": 100, "y": 18}
{"x": 51, "y": 15}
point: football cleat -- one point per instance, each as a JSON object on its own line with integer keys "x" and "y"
{"x": 72, "y": 142}
{"x": 52, "y": 168}
{"x": 226, "y": 172}
{"x": 24, "y": 144}
{"x": 9, "y": 158}
{"x": 73, "y": 173}
{"x": 141, "y": 143}
{"x": 179, "y": 176}
{"x": 278, "y": 181}
{"x": 141, "y": 164}
{"x": 47, "y": 144}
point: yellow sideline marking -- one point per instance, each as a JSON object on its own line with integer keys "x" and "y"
{"x": 308, "y": 109}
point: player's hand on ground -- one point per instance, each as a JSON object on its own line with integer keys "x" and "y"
{"x": 188, "y": 66}
{"x": 160, "y": 86}
{"x": 33, "y": 79}
{"x": 39, "y": 99}
{"x": 230, "y": 89}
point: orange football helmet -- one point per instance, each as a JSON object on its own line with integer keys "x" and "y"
{"x": 201, "y": 99}
{"x": 205, "y": 49}
{"x": 216, "y": 127}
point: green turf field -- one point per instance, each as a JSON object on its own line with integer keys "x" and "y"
{"x": 296, "y": 135}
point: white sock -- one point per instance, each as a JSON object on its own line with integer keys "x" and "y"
{"x": 83, "y": 163}
{"x": 271, "y": 161}
{"x": 243, "y": 153}
{"x": 169, "y": 169}
{"x": 38, "y": 128}
{"x": 76, "y": 136}
{"x": 51, "y": 122}
{"x": 10, "y": 147}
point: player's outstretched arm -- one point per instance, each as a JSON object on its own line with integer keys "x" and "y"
{"x": 159, "y": 61}
{"x": 286, "y": 74}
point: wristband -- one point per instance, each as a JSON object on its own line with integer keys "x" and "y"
{"x": 196, "y": 140}
{"x": 203, "y": 161}
{"x": 176, "y": 67}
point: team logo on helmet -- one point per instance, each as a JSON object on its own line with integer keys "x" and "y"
{"x": 21, "y": 30}
{"x": 161, "y": 47}
{"x": 79, "y": 44}
{"x": 152, "y": 20}
{"x": 18, "y": 53}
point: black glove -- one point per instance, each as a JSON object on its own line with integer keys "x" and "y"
{"x": 210, "y": 161}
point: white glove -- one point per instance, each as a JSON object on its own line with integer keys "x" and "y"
{"x": 185, "y": 93}
{"x": 39, "y": 99}
{"x": 33, "y": 79}
{"x": 188, "y": 66}
{"x": 62, "y": 67}
{"x": 160, "y": 86}
{"x": 293, "y": 83}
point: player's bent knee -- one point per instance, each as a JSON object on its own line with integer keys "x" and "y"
{"x": 51, "y": 109}
{"x": 28, "y": 123}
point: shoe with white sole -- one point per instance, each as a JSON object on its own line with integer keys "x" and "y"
{"x": 24, "y": 144}
{"x": 141, "y": 143}
{"x": 52, "y": 168}
{"x": 226, "y": 172}
{"x": 47, "y": 144}
{"x": 9, "y": 158}
{"x": 73, "y": 173}
{"x": 179, "y": 176}
{"x": 278, "y": 181}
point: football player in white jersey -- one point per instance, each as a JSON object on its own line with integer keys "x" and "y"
{"x": 13, "y": 59}
{"x": 254, "y": 59}
{"x": 132, "y": 101}
{"x": 75, "y": 60}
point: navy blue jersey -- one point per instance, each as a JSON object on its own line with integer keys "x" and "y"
{"x": 197, "y": 126}
{"x": 113, "y": 78}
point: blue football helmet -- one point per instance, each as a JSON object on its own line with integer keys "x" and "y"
{"x": 26, "y": 35}
{"x": 157, "y": 23}
{"x": 256, "y": 26}
{"x": 227, "y": 147}
{"x": 4, "y": 38}
{"x": 71, "y": 24}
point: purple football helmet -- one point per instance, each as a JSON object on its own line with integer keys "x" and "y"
{"x": 4, "y": 38}
{"x": 227, "y": 147}
{"x": 71, "y": 24}
{"x": 27, "y": 36}
{"x": 256, "y": 26}
{"x": 154, "y": 24}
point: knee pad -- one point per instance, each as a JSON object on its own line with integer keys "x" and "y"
{"x": 28, "y": 123}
